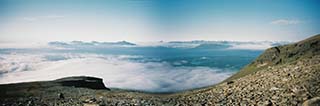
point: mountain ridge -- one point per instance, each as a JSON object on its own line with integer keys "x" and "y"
{"x": 282, "y": 54}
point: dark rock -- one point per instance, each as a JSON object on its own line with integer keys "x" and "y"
{"x": 83, "y": 82}
{"x": 312, "y": 102}
{"x": 230, "y": 82}
{"x": 267, "y": 103}
{"x": 61, "y": 96}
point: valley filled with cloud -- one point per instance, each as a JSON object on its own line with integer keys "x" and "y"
{"x": 153, "y": 67}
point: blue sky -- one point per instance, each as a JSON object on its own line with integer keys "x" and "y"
{"x": 155, "y": 20}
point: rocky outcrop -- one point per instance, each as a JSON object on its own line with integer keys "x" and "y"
{"x": 64, "y": 91}
{"x": 82, "y": 81}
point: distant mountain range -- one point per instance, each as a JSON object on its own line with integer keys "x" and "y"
{"x": 174, "y": 44}
{"x": 88, "y": 44}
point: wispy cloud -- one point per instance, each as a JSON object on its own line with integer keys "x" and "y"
{"x": 285, "y": 22}
{"x": 46, "y": 17}
{"x": 29, "y": 18}
{"x": 54, "y": 16}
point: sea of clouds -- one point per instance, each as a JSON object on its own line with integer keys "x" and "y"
{"x": 117, "y": 71}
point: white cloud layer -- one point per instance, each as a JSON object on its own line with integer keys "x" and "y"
{"x": 116, "y": 71}
{"x": 253, "y": 45}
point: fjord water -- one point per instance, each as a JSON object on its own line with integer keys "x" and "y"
{"x": 148, "y": 68}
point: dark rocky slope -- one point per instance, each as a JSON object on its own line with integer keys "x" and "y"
{"x": 283, "y": 75}
{"x": 82, "y": 81}
{"x": 23, "y": 93}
